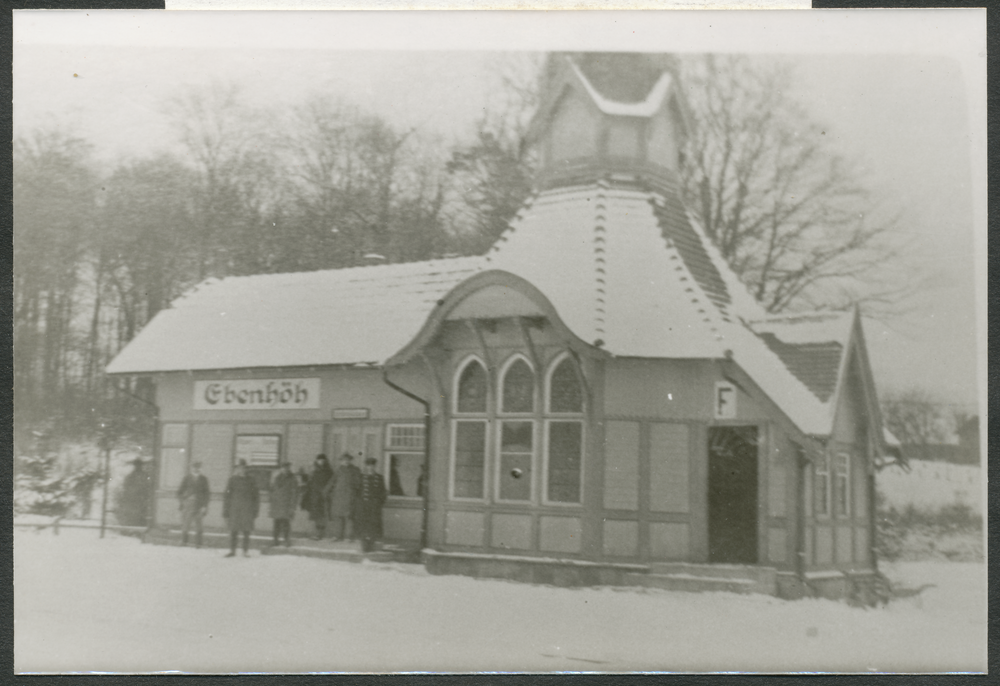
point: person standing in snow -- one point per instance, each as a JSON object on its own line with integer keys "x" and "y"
{"x": 368, "y": 513}
{"x": 133, "y": 508}
{"x": 344, "y": 488}
{"x": 192, "y": 499}
{"x": 240, "y": 507}
{"x": 284, "y": 499}
{"x": 314, "y": 499}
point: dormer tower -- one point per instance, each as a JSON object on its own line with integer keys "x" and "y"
{"x": 610, "y": 116}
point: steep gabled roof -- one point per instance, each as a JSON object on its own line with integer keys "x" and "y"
{"x": 812, "y": 346}
{"x": 337, "y": 316}
{"x": 627, "y": 270}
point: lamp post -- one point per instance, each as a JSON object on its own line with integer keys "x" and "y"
{"x": 105, "y": 442}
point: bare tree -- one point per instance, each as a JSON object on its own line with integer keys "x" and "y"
{"x": 54, "y": 188}
{"x": 229, "y": 146}
{"x": 492, "y": 174}
{"x": 917, "y": 418}
{"x": 796, "y": 221}
{"x": 358, "y": 186}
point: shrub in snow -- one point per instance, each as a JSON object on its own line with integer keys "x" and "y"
{"x": 951, "y": 532}
{"x": 43, "y": 485}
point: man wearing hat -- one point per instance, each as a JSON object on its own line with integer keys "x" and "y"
{"x": 284, "y": 499}
{"x": 343, "y": 490}
{"x": 133, "y": 508}
{"x": 192, "y": 499}
{"x": 368, "y": 515}
{"x": 240, "y": 507}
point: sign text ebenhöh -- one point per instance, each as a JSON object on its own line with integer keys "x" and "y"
{"x": 257, "y": 394}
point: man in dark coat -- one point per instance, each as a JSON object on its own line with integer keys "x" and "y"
{"x": 192, "y": 498}
{"x": 240, "y": 507}
{"x": 368, "y": 513}
{"x": 344, "y": 488}
{"x": 314, "y": 499}
{"x": 133, "y": 508}
{"x": 284, "y": 500}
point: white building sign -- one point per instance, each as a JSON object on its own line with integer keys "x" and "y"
{"x": 725, "y": 400}
{"x": 257, "y": 394}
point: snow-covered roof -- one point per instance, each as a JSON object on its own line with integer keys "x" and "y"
{"x": 340, "y": 316}
{"x": 645, "y": 108}
{"x": 622, "y": 270}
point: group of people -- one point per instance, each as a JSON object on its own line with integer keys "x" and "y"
{"x": 349, "y": 497}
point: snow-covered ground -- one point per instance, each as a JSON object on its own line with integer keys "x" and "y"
{"x": 86, "y": 604}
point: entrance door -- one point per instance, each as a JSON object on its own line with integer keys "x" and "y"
{"x": 732, "y": 494}
{"x": 360, "y": 439}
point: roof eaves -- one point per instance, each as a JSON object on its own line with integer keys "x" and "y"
{"x": 647, "y": 108}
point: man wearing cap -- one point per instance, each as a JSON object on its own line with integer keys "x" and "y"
{"x": 240, "y": 507}
{"x": 284, "y": 499}
{"x": 343, "y": 489}
{"x": 192, "y": 499}
{"x": 368, "y": 514}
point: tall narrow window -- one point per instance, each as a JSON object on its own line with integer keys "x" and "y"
{"x": 470, "y": 459}
{"x": 472, "y": 388}
{"x": 822, "y": 489}
{"x": 565, "y": 391}
{"x": 405, "y": 451}
{"x": 564, "y": 436}
{"x": 516, "y": 456}
{"x": 841, "y": 485}
{"x": 565, "y": 461}
{"x": 518, "y": 388}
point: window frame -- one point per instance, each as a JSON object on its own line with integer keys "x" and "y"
{"x": 547, "y": 383}
{"x": 841, "y": 458}
{"x": 822, "y": 468}
{"x": 454, "y": 454}
{"x": 502, "y": 382}
{"x": 498, "y": 462}
{"x": 546, "y": 460}
{"x": 456, "y": 381}
{"x": 389, "y": 450}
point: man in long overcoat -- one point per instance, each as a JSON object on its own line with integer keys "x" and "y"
{"x": 344, "y": 489}
{"x": 314, "y": 500}
{"x": 192, "y": 498}
{"x": 240, "y": 507}
{"x": 368, "y": 514}
{"x": 284, "y": 500}
{"x": 133, "y": 508}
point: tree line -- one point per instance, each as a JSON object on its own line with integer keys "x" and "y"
{"x": 98, "y": 252}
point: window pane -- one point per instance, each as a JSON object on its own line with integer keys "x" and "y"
{"x": 472, "y": 389}
{"x": 565, "y": 455}
{"x": 841, "y": 496}
{"x": 565, "y": 393}
{"x": 470, "y": 454}
{"x": 405, "y": 470}
{"x": 519, "y": 388}
{"x": 406, "y": 436}
{"x": 516, "y": 448}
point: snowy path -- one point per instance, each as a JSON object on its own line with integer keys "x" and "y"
{"x": 115, "y": 605}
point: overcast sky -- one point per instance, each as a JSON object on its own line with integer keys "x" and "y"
{"x": 902, "y": 91}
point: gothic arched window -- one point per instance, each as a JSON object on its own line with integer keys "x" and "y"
{"x": 472, "y": 388}
{"x": 565, "y": 391}
{"x": 518, "y": 395}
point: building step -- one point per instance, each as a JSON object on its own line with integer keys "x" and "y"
{"x": 698, "y": 584}
{"x": 345, "y": 551}
{"x": 759, "y": 574}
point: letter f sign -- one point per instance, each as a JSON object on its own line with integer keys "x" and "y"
{"x": 725, "y": 400}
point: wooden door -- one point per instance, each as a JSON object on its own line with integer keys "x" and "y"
{"x": 732, "y": 494}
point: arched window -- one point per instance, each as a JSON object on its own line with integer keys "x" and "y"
{"x": 518, "y": 394}
{"x": 565, "y": 391}
{"x": 564, "y": 438}
{"x": 472, "y": 388}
